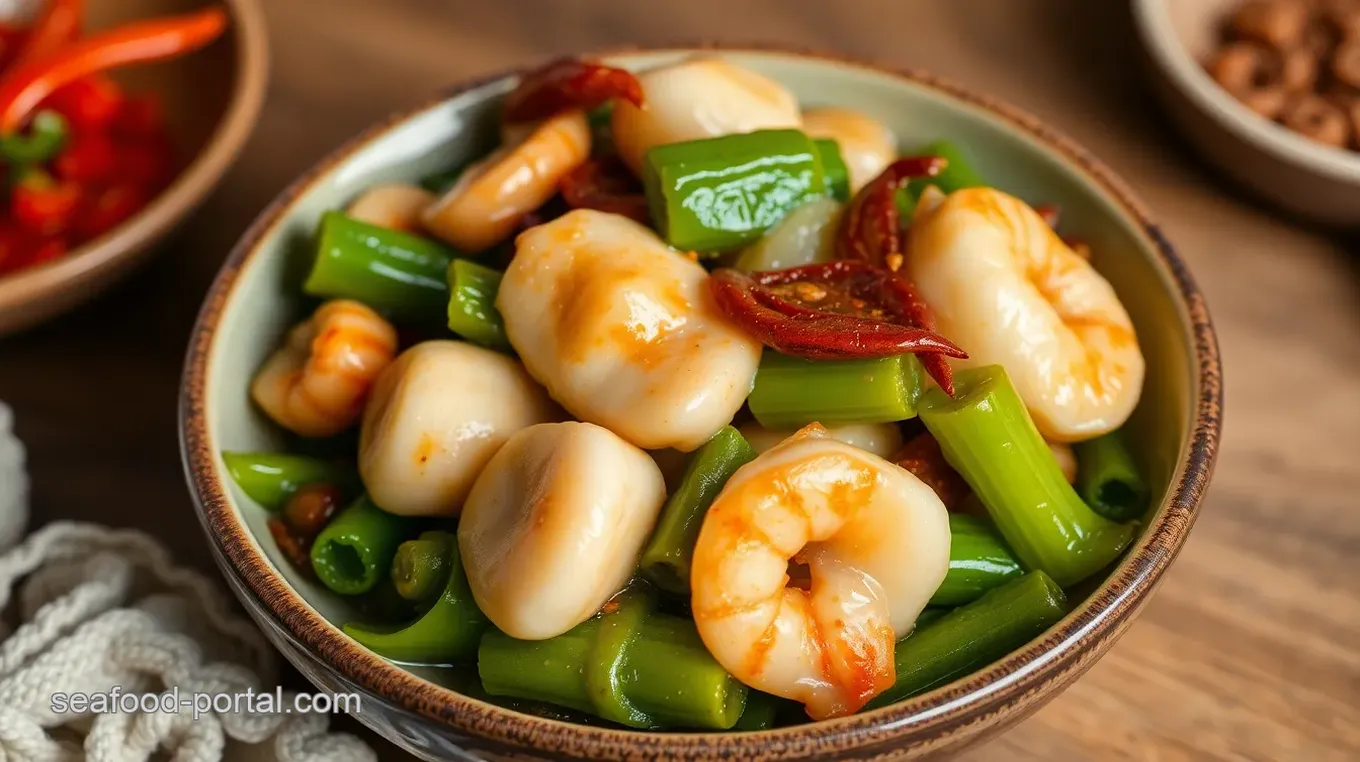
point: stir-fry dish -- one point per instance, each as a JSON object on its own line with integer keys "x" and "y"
{"x": 80, "y": 155}
{"x": 686, "y": 408}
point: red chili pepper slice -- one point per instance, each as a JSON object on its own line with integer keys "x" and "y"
{"x": 834, "y": 311}
{"x": 607, "y": 185}
{"x": 90, "y": 104}
{"x": 871, "y": 231}
{"x": 12, "y": 41}
{"x": 42, "y": 205}
{"x": 89, "y": 158}
{"x": 57, "y": 24}
{"x": 569, "y": 83}
{"x": 22, "y": 89}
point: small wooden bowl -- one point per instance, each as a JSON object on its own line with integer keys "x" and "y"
{"x": 436, "y": 714}
{"x": 211, "y": 99}
{"x": 1313, "y": 181}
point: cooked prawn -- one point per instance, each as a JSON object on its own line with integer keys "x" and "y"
{"x": 1007, "y": 289}
{"x": 316, "y": 383}
{"x": 875, "y": 540}
{"x": 491, "y": 197}
{"x": 699, "y": 98}
{"x": 867, "y": 145}
{"x": 397, "y": 206}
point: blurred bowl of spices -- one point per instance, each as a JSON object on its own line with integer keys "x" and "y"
{"x": 1269, "y": 91}
{"x": 116, "y": 121}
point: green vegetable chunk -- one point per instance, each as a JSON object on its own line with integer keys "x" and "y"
{"x": 957, "y": 176}
{"x": 47, "y": 135}
{"x": 834, "y": 172}
{"x": 1108, "y": 479}
{"x": 270, "y": 478}
{"x": 978, "y": 561}
{"x": 421, "y": 566}
{"x": 790, "y": 392}
{"x": 930, "y": 614}
{"x": 355, "y": 550}
{"x": 631, "y": 665}
{"x": 986, "y": 434}
{"x": 397, "y": 273}
{"x": 446, "y": 632}
{"x": 973, "y": 636}
{"x": 763, "y": 711}
{"x": 720, "y": 194}
{"x": 666, "y": 559}
{"x": 472, "y": 304}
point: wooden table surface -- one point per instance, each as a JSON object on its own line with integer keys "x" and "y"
{"x": 1252, "y": 648}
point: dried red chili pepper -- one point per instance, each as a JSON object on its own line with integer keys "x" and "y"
{"x": 834, "y": 311}
{"x": 42, "y": 205}
{"x": 871, "y": 228}
{"x": 569, "y": 83}
{"x": 89, "y": 158}
{"x": 311, "y": 508}
{"x": 606, "y": 184}
{"x": 922, "y": 457}
{"x": 871, "y": 231}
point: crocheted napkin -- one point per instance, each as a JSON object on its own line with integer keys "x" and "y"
{"x": 101, "y": 608}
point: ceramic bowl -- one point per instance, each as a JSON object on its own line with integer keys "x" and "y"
{"x": 211, "y": 100}
{"x": 254, "y": 300}
{"x": 1306, "y": 178}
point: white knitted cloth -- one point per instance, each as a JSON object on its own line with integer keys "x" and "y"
{"x": 100, "y": 608}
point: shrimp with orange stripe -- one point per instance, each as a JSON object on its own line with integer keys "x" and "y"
{"x": 317, "y": 382}
{"x": 875, "y": 540}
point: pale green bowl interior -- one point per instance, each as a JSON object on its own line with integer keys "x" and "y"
{"x": 265, "y": 300}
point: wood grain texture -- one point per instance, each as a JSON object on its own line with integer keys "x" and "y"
{"x": 1251, "y": 651}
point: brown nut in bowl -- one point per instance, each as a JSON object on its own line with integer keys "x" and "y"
{"x": 436, "y": 507}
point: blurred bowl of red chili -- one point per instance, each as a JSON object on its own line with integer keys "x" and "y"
{"x": 116, "y": 120}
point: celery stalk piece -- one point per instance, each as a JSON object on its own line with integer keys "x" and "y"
{"x": 790, "y": 392}
{"x": 973, "y": 636}
{"x": 666, "y": 559}
{"x": 987, "y": 435}
{"x": 472, "y": 304}
{"x": 1108, "y": 479}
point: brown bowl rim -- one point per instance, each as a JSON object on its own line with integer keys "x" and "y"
{"x": 87, "y": 262}
{"x": 1023, "y": 679}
